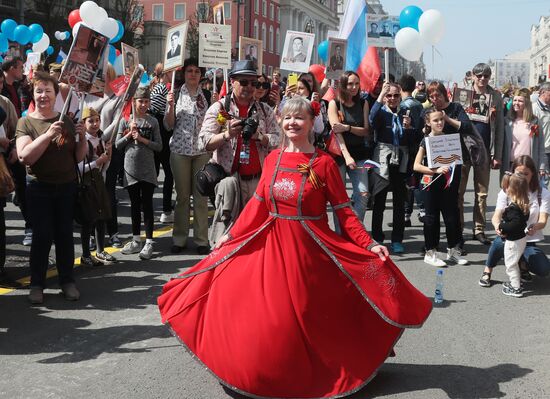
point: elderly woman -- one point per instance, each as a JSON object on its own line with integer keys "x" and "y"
{"x": 522, "y": 134}
{"x": 186, "y": 117}
{"x": 49, "y": 147}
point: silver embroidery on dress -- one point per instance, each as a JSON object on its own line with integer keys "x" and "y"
{"x": 284, "y": 189}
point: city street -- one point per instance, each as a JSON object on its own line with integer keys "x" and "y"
{"x": 111, "y": 343}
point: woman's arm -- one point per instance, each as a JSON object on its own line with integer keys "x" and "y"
{"x": 170, "y": 114}
{"x": 496, "y": 219}
{"x": 334, "y": 121}
{"x": 82, "y": 145}
{"x": 29, "y": 150}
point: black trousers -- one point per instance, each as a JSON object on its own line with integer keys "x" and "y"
{"x": 19, "y": 174}
{"x": 86, "y": 232}
{"x": 399, "y": 190}
{"x": 2, "y": 233}
{"x": 163, "y": 158}
{"x": 117, "y": 163}
{"x": 141, "y": 197}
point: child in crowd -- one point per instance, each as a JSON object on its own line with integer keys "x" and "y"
{"x": 92, "y": 167}
{"x": 513, "y": 227}
{"x": 438, "y": 198}
{"x": 140, "y": 138}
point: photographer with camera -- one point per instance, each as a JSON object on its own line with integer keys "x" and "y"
{"x": 240, "y": 132}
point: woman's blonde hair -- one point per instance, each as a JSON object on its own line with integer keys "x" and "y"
{"x": 528, "y": 111}
{"x": 517, "y": 189}
{"x": 297, "y": 105}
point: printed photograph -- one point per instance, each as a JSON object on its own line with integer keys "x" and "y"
{"x": 175, "y": 46}
{"x": 251, "y": 49}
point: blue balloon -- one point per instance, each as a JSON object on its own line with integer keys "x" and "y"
{"x": 322, "y": 50}
{"x": 8, "y": 26}
{"x": 22, "y": 34}
{"x": 67, "y": 34}
{"x": 409, "y": 17}
{"x": 145, "y": 79}
{"x": 1, "y": 59}
{"x": 118, "y": 66}
{"x": 36, "y": 32}
{"x": 4, "y": 45}
{"x": 49, "y": 50}
{"x": 119, "y": 34}
{"x": 25, "y": 112}
{"x": 112, "y": 55}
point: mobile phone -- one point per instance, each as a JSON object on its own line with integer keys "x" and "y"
{"x": 275, "y": 87}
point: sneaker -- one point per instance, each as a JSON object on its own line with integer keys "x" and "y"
{"x": 114, "y": 241}
{"x": 421, "y": 214}
{"x": 432, "y": 259}
{"x": 70, "y": 292}
{"x": 167, "y": 217}
{"x": 89, "y": 261}
{"x": 27, "y": 240}
{"x": 36, "y": 296}
{"x": 453, "y": 256}
{"x": 507, "y": 289}
{"x": 526, "y": 277}
{"x": 92, "y": 244}
{"x": 408, "y": 220}
{"x": 147, "y": 251}
{"x": 105, "y": 258}
{"x": 131, "y": 247}
{"x": 485, "y": 280}
{"x": 397, "y": 248}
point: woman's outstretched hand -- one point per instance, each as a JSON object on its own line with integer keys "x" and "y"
{"x": 381, "y": 251}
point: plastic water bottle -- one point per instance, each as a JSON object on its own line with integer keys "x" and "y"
{"x": 438, "y": 297}
{"x": 244, "y": 156}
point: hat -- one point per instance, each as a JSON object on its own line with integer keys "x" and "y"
{"x": 142, "y": 92}
{"x": 243, "y": 67}
{"x": 89, "y": 112}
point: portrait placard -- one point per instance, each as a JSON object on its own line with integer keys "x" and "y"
{"x": 130, "y": 59}
{"x": 463, "y": 97}
{"x": 443, "y": 150}
{"x": 176, "y": 37}
{"x": 214, "y": 46}
{"x": 336, "y": 58}
{"x": 252, "y": 50}
{"x": 82, "y": 64}
{"x": 297, "y": 51}
{"x": 480, "y": 111}
{"x": 381, "y": 30}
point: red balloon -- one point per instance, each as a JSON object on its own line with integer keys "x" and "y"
{"x": 318, "y": 71}
{"x": 74, "y": 17}
{"x": 117, "y": 52}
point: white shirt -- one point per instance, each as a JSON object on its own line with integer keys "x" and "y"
{"x": 534, "y": 209}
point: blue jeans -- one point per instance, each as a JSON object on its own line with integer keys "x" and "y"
{"x": 360, "y": 184}
{"x": 537, "y": 262}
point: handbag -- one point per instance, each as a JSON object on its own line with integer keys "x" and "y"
{"x": 6, "y": 180}
{"x": 208, "y": 177}
{"x": 92, "y": 202}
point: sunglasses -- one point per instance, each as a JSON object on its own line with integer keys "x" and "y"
{"x": 246, "y": 82}
{"x": 483, "y": 76}
{"x": 393, "y": 95}
{"x": 421, "y": 84}
{"x": 263, "y": 85}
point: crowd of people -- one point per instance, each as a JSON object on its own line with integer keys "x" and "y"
{"x": 191, "y": 133}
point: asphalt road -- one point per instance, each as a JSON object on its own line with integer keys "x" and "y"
{"x": 111, "y": 344}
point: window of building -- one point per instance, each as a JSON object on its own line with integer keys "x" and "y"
{"x": 264, "y": 8}
{"x": 272, "y": 12}
{"x": 158, "y": 12}
{"x": 270, "y": 70}
{"x": 202, "y": 11}
{"x": 278, "y": 41}
{"x": 256, "y": 29}
{"x": 271, "y": 39}
{"x": 227, "y": 10}
{"x": 179, "y": 12}
{"x": 278, "y": 14}
{"x": 257, "y": 6}
{"x": 264, "y": 33}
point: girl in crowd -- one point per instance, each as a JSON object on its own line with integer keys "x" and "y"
{"x": 304, "y": 90}
{"x": 140, "y": 138}
{"x": 349, "y": 118}
{"x": 186, "y": 159}
{"x": 282, "y": 265}
{"x": 534, "y": 259}
{"x": 97, "y": 159}
{"x": 48, "y": 147}
{"x": 264, "y": 93}
{"x": 159, "y": 92}
{"x": 522, "y": 134}
{"x": 512, "y": 227}
{"x": 438, "y": 198}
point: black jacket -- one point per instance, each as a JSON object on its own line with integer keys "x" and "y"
{"x": 514, "y": 222}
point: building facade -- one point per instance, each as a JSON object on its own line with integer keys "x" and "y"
{"x": 540, "y": 52}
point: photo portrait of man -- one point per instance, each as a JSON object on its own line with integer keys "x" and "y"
{"x": 463, "y": 99}
{"x": 480, "y": 106}
{"x": 296, "y": 52}
{"x": 130, "y": 63}
{"x": 175, "y": 46}
{"x": 373, "y": 32}
{"x": 385, "y": 30}
{"x": 251, "y": 55}
{"x": 336, "y": 60}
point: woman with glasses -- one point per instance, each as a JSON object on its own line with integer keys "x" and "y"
{"x": 349, "y": 118}
{"x": 264, "y": 93}
{"x": 185, "y": 116}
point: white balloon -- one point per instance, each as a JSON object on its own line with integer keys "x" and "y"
{"x": 408, "y": 44}
{"x": 431, "y": 26}
{"x": 109, "y": 27}
{"x": 75, "y": 28}
{"x": 88, "y": 12}
{"x": 57, "y": 35}
{"x": 41, "y": 45}
{"x": 99, "y": 17}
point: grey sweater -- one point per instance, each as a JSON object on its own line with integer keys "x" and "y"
{"x": 139, "y": 159}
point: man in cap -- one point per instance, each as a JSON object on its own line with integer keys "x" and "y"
{"x": 240, "y": 157}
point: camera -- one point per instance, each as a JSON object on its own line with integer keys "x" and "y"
{"x": 250, "y": 125}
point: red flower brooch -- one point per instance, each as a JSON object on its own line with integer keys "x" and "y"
{"x": 534, "y": 130}
{"x": 316, "y": 107}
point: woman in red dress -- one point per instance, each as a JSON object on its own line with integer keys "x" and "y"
{"x": 285, "y": 307}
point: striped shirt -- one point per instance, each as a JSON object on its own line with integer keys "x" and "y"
{"x": 158, "y": 99}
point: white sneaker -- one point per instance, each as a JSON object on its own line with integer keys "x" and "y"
{"x": 147, "y": 251}
{"x": 431, "y": 259}
{"x": 167, "y": 217}
{"x": 453, "y": 256}
{"x": 131, "y": 247}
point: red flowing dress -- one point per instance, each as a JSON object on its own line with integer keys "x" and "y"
{"x": 287, "y": 308}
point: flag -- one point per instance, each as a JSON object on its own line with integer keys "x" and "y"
{"x": 223, "y": 90}
{"x": 329, "y": 95}
{"x": 61, "y": 56}
{"x": 120, "y": 85}
{"x": 360, "y": 57}
{"x": 450, "y": 175}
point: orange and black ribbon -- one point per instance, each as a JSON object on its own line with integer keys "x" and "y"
{"x": 305, "y": 169}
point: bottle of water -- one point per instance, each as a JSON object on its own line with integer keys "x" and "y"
{"x": 438, "y": 297}
{"x": 244, "y": 156}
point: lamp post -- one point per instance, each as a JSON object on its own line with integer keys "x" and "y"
{"x": 238, "y": 3}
